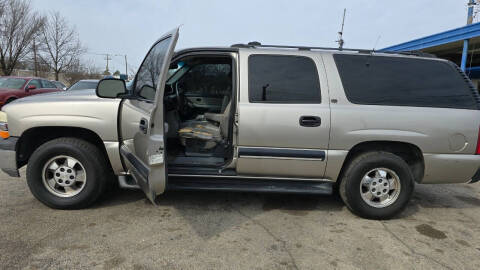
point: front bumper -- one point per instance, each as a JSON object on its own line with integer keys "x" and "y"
{"x": 8, "y": 156}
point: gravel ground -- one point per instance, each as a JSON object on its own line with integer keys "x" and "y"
{"x": 212, "y": 230}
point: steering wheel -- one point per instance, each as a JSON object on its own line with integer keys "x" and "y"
{"x": 182, "y": 101}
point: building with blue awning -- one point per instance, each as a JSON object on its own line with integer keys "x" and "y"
{"x": 460, "y": 45}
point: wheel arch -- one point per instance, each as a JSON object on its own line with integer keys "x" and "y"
{"x": 10, "y": 98}
{"x": 409, "y": 152}
{"x": 34, "y": 137}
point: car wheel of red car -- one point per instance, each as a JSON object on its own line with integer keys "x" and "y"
{"x": 10, "y": 100}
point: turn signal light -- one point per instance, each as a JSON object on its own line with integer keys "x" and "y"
{"x": 4, "y": 134}
{"x": 4, "y": 131}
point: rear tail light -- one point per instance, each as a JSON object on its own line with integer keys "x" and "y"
{"x": 4, "y": 131}
{"x": 478, "y": 143}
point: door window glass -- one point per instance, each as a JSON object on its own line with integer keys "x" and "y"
{"x": 147, "y": 76}
{"x": 48, "y": 84}
{"x": 36, "y": 83}
{"x": 282, "y": 79}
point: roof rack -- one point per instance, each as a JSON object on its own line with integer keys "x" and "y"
{"x": 256, "y": 44}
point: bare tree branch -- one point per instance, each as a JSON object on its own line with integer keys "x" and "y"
{"x": 61, "y": 45}
{"x": 18, "y": 27}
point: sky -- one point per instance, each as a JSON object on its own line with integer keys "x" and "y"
{"x": 131, "y": 27}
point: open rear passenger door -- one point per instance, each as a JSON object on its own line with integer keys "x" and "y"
{"x": 142, "y": 146}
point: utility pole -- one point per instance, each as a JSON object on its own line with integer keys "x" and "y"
{"x": 126, "y": 63}
{"x": 126, "y": 66}
{"x": 340, "y": 40}
{"x": 471, "y": 7}
{"x": 35, "y": 64}
{"x": 108, "y": 58}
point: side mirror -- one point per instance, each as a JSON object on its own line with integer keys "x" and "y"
{"x": 111, "y": 88}
{"x": 31, "y": 87}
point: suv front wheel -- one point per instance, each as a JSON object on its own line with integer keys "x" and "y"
{"x": 377, "y": 185}
{"x": 67, "y": 173}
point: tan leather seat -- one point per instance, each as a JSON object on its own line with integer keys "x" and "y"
{"x": 210, "y": 131}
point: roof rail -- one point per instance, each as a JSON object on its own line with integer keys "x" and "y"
{"x": 256, "y": 44}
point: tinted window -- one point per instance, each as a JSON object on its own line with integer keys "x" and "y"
{"x": 82, "y": 85}
{"x": 282, "y": 79}
{"x": 147, "y": 76}
{"x": 207, "y": 80}
{"x": 11, "y": 83}
{"x": 59, "y": 85}
{"x": 48, "y": 84}
{"x": 36, "y": 83}
{"x": 399, "y": 81}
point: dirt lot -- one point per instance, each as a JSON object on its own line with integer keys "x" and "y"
{"x": 210, "y": 230}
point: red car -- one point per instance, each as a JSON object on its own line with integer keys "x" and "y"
{"x": 12, "y": 88}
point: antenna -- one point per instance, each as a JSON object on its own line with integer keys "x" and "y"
{"x": 376, "y": 43}
{"x": 340, "y": 40}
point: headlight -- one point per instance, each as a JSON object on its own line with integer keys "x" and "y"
{"x": 3, "y": 126}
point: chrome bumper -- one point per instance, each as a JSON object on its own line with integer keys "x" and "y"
{"x": 8, "y": 156}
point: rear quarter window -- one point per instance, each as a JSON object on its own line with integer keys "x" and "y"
{"x": 401, "y": 81}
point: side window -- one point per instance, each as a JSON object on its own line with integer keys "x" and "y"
{"x": 48, "y": 84}
{"x": 147, "y": 76}
{"x": 401, "y": 81}
{"x": 208, "y": 80}
{"x": 282, "y": 79}
{"x": 36, "y": 83}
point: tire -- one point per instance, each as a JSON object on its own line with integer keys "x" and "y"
{"x": 10, "y": 100}
{"x": 353, "y": 190}
{"x": 91, "y": 166}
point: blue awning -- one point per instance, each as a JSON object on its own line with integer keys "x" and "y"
{"x": 458, "y": 34}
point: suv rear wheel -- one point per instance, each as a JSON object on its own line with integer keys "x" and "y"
{"x": 67, "y": 173}
{"x": 377, "y": 185}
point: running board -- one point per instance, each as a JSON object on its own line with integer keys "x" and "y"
{"x": 127, "y": 182}
{"x": 250, "y": 185}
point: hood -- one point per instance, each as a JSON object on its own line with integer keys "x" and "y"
{"x": 58, "y": 103}
{"x": 81, "y": 108}
{"x": 61, "y": 96}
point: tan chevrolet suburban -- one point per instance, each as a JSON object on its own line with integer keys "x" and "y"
{"x": 253, "y": 118}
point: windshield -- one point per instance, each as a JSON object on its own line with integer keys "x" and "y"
{"x": 175, "y": 73}
{"x": 59, "y": 85}
{"x": 12, "y": 83}
{"x": 81, "y": 85}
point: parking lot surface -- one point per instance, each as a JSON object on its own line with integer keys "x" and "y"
{"x": 214, "y": 230}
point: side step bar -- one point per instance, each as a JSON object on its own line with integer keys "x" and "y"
{"x": 250, "y": 185}
{"x": 127, "y": 182}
